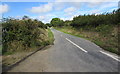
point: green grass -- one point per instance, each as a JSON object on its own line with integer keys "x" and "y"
{"x": 50, "y": 36}
{"x": 64, "y": 30}
{"x": 0, "y": 49}
{"x": 103, "y": 39}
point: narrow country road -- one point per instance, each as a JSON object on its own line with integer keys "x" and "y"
{"x": 69, "y": 54}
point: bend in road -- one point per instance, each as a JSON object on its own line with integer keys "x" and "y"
{"x": 68, "y": 55}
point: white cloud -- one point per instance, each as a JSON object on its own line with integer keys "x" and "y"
{"x": 42, "y": 9}
{"x": 41, "y": 17}
{"x": 104, "y": 7}
{"x": 59, "y": 0}
{"x": 59, "y": 5}
{"x": 67, "y": 18}
{"x": 4, "y": 8}
{"x": 70, "y": 9}
{"x": 62, "y": 5}
{"x": 27, "y": 0}
{"x": 112, "y": 4}
{"x": 46, "y": 18}
{"x": 86, "y": 0}
{"x": 93, "y": 4}
{"x": 100, "y": 8}
{"x": 94, "y": 11}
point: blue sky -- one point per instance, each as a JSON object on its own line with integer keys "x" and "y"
{"x": 45, "y": 11}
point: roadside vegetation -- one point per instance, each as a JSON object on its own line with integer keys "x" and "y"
{"x": 50, "y": 37}
{"x": 0, "y": 38}
{"x": 21, "y": 37}
{"x": 101, "y": 29}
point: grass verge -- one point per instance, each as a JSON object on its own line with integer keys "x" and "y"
{"x": 107, "y": 41}
{"x": 0, "y": 49}
{"x": 50, "y": 36}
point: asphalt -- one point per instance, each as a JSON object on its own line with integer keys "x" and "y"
{"x": 70, "y": 54}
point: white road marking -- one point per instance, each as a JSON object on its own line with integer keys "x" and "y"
{"x": 61, "y": 35}
{"x": 76, "y": 45}
{"x": 110, "y": 56}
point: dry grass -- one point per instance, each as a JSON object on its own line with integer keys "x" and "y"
{"x": 108, "y": 40}
{"x": 7, "y": 60}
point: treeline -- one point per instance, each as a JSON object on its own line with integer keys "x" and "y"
{"x": 96, "y": 20}
{"x": 89, "y": 20}
{"x": 19, "y": 35}
{"x": 101, "y": 29}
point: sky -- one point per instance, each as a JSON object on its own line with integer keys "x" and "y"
{"x": 45, "y": 11}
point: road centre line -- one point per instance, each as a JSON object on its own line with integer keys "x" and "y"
{"x": 110, "y": 56}
{"x": 76, "y": 45}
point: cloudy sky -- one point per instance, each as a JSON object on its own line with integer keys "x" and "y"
{"x": 45, "y": 11}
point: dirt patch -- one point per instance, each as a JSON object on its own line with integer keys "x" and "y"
{"x": 8, "y": 60}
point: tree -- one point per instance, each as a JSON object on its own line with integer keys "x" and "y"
{"x": 56, "y": 22}
{"x": 67, "y": 23}
{"x": 49, "y": 25}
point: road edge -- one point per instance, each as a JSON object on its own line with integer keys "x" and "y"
{"x": 24, "y": 58}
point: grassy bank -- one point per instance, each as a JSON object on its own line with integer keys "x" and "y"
{"x": 50, "y": 36}
{"x": 104, "y": 36}
{"x": 21, "y": 37}
{"x": 11, "y": 58}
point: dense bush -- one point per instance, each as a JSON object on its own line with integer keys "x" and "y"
{"x": 67, "y": 23}
{"x": 21, "y": 34}
{"x": 96, "y": 20}
{"x": 57, "y": 22}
